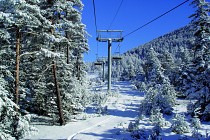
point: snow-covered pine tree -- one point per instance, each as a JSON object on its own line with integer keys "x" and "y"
{"x": 17, "y": 18}
{"x": 199, "y": 69}
{"x": 157, "y": 119}
{"x": 160, "y": 96}
{"x": 20, "y": 21}
{"x": 68, "y": 42}
{"x": 160, "y": 92}
{"x": 128, "y": 63}
{"x": 179, "y": 125}
{"x": 12, "y": 124}
{"x": 181, "y": 75}
{"x": 152, "y": 67}
{"x": 169, "y": 65}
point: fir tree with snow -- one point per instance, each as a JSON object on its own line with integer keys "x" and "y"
{"x": 179, "y": 124}
{"x": 157, "y": 119}
{"x": 160, "y": 94}
{"x": 12, "y": 124}
{"x": 199, "y": 69}
{"x": 132, "y": 127}
{"x": 158, "y": 97}
{"x": 68, "y": 42}
{"x": 195, "y": 122}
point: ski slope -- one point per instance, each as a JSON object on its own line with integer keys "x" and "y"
{"x": 121, "y": 109}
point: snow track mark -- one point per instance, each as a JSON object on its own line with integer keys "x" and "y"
{"x": 95, "y": 125}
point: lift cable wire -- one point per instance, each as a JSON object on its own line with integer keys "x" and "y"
{"x": 94, "y": 9}
{"x": 115, "y": 15}
{"x": 155, "y": 19}
{"x": 96, "y": 27}
{"x": 117, "y": 50}
{"x": 97, "y": 51}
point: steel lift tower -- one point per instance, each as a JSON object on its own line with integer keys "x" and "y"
{"x": 109, "y": 36}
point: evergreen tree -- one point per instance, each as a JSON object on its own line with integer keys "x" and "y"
{"x": 179, "y": 125}
{"x": 12, "y": 124}
{"x": 68, "y": 41}
{"x": 199, "y": 69}
{"x": 18, "y": 19}
{"x": 160, "y": 93}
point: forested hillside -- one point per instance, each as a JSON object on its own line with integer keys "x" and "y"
{"x": 174, "y": 47}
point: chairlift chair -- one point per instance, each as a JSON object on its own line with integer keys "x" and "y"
{"x": 117, "y": 55}
{"x": 98, "y": 64}
{"x": 117, "y": 58}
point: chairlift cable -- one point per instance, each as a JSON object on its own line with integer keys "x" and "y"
{"x": 158, "y": 17}
{"x": 96, "y": 27}
{"x": 155, "y": 19}
{"x": 94, "y": 10}
{"x": 118, "y": 46}
{"x": 115, "y": 14}
{"x": 97, "y": 51}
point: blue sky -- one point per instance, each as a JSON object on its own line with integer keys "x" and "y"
{"x": 132, "y": 14}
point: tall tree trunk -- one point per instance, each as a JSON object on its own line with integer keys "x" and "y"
{"x": 17, "y": 61}
{"x": 57, "y": 91}
{"x": 59, "y": 104}
{"x": 78, "y": 67}
{"x": 67, "y": 54}
{"x": 67, "y": 50}
{"x": 17, "y": 68}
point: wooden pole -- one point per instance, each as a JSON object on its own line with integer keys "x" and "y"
{"x": 17, "y": 68}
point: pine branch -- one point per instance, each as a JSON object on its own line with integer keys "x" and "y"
{"x": 29, "y": 53}
{"x": 44, "y": 72}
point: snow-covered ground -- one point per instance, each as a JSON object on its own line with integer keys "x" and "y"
{"x": 122, "y": 108}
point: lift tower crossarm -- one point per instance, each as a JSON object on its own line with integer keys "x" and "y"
{"x": 109, "y": 33}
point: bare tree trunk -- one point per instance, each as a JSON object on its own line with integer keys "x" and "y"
{"x": 67, "y": 54}
{"x": 17, "y": 68}
{"x": 59, "y": 104}
{"x": 67, "y": 50}
{"x": 78, "y": 67}
{"x": 57, "y": 91}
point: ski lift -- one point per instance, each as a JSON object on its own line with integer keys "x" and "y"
{"x": 105, "y": 35}
{"x": 101, "y": 63}
{"x": 117, "y": 55}
{"x": 98, "y": 63}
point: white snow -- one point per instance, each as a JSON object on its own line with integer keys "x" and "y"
{"x": 50, "y": 53}
{"x": 122, "y": 108}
